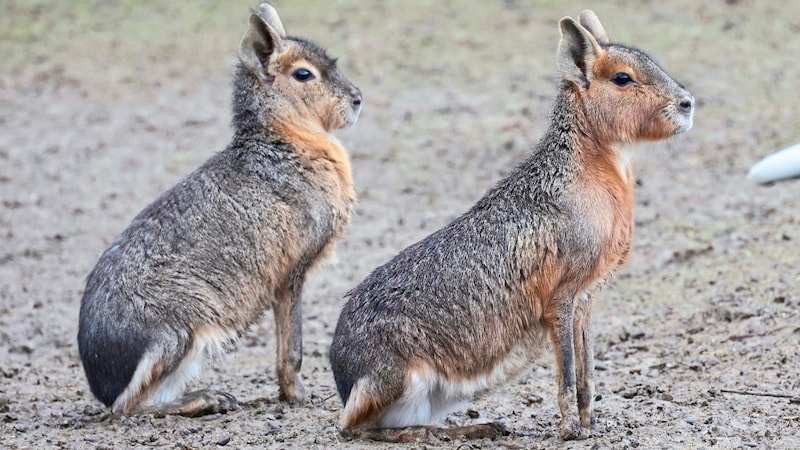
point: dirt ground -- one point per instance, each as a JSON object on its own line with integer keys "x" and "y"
{"x": 105, "y": 104}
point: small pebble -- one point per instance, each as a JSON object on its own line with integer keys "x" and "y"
{"x": 533, "y": 399}
{"x": 473, "y": 414}
{"x": 691, "y": 420}
{"x": 223, "y": 441}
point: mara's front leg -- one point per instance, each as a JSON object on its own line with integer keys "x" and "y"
{"x": 584, "y": 358}
{"x": 562, "y": 333}
{"x": 289, "y": 336}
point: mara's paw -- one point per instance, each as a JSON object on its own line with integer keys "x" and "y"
{"x": 196, "y": 404}
{"x": 588, "y": 420}
{"x": 574, "y": 432}
{"x": 294, "y": 393}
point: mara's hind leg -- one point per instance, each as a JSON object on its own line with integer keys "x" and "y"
{"x": 584, "y": 360}
{"x": 194, "y": 404}
{"x": 562, "y": 329}
{"x": 288, "y": 313}
{"x": 162, "y": 374}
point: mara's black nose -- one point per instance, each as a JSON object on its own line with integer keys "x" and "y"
{"x": 356, "y": 94}
{"x": 686, "y": 104}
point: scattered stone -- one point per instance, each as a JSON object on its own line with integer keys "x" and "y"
{"x": 21, "y": 349}
{"x": 638, "y": 390}
{"x": 4, "y": 402}
{"x": 665, "y": 396}
{"x": 191, "y": 430}
{"x": 223, "y": 441}
{"x": 472, "y": 414}
{"x": 691, "y": 420}
{"x": 93, "y": 409}
{"x": 533, "y": 399}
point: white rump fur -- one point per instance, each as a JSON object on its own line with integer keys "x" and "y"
{"x": 208, "y": 345}
{"x": 429, "y": 396}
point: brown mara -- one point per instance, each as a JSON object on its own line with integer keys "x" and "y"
{"x": 469, "y": 305}
{"x": 237, "y": 236}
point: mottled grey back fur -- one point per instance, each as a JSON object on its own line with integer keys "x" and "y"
{"x": 411, "y": 307}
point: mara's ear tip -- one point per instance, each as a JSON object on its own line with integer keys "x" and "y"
{"x": 255, "y": 19}
{"x": 589, "y": 20}
{"x": 269, "y": 16}
{"x": 266, "y": 6}
{"x": 568, "y": 25}
{"x": 267, "y": 10}
{"x": 565, "y": 22}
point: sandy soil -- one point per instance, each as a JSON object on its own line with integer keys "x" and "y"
{"x": 103, "y": 105}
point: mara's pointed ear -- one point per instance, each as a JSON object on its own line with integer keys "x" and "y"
{"x": 577, "y": 52}
{"x": 270, "y": 15}
{"x": 592, "y": 24}
{"x": 259, "y": 44}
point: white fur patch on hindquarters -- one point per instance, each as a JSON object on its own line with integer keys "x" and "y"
{"x": 429, "y": 396}
{"x": 209, "y": 344}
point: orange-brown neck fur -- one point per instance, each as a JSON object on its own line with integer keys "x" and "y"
{"x": 320, "y": 150}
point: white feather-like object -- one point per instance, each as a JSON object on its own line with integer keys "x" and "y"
{"x": 777, "y": 166}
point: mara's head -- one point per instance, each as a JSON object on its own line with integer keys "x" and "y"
{"x": 300, "y": 82}
{"x": 626, "y": 96}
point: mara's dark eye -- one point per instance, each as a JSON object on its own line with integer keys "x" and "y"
{"x": 303, "y": 75}
{"x": 622, "y": 79}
